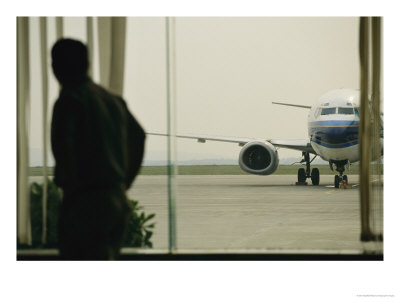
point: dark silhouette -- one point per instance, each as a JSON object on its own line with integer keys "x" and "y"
{"x": 98, "y": 147}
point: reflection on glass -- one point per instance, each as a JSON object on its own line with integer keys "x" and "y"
{"x": 328, "y": 111}
{"x": 345, "y": 111}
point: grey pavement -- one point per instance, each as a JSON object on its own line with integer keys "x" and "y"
{"x": 254, "y": 213}
{"x": 246, "y": 212}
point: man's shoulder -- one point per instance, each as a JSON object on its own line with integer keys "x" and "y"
{"x": 87, "y": 95}
{"x": 99, "y": 90}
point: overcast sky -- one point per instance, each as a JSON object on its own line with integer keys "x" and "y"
{"x": 229, "y": 69}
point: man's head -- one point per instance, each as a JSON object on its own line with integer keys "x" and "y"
{"x": 69, "y": 61}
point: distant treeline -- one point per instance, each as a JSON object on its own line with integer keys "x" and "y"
{"x": 38, "y": 171}
{"x": 213, "y": 170}
{"x": 235, "y": 170}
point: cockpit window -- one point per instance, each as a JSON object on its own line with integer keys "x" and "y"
{"x": 328, "y": 111}
{"x": 345, "y": 111}
{"x": 356, "y": 111}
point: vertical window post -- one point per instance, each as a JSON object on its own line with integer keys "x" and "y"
{"x": 23, "y": 102}
{"x": 364, "y": 133}
{"x": 45, "y": 95}
{"x": 370, "y": 80}
{"x": 171, "y": 94}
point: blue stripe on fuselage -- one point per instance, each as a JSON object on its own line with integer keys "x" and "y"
{"x": 336, "y": 146}
{"x": 334, "y": 123}
{"x": 334, "y": 133}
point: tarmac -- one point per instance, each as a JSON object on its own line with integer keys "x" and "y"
{"x": 254, "y": 213}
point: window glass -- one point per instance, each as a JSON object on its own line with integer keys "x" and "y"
{"x": 328, "y": 111}
{"x": 145, "y": 95}
{"x": 218, "y": 205}
{"x": 345, "y": 111}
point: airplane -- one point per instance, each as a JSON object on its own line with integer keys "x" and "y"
{"x": 333, "y": 123}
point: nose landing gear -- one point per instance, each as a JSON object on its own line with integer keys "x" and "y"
{"x": 340, "y": 167}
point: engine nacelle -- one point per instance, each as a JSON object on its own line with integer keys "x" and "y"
{"x": 260, "y": 158}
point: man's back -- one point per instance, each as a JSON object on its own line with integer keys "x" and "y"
{"x": 93, "y": 139}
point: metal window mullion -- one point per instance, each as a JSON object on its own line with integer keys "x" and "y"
{"x": 23, "y": 108}
{"x": 111, "y": 37}
{"x": 59, "y": 27}
{"x": 365, "y": 130}
{"x": 90, "y": 43}
{"x": 117, "y": 64}
{"x": 45, "y": 95}
{"x": 171, "y": 94}
{"x": 104, "y": 41}
{"x": 376, "y": 102}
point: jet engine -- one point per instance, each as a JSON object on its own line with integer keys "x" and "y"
{"x": 260, "y": 158}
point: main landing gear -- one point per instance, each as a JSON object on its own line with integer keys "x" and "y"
{"x": 303, "y": 174}
{"x": 340, "y": 167}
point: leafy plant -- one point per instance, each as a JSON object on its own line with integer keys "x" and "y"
{"x": 53, "y": 208}
{"x": 139, "y": 233}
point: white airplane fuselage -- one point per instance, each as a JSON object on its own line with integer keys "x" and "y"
{"x": 333, "y": 124}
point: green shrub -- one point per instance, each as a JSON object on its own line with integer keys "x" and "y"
{"x": 53, "y": 208}
{"x": 138, "y": 232}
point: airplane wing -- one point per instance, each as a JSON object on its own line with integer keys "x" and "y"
{"x": 300, "y": 145}
{"x": 204, "y": 138}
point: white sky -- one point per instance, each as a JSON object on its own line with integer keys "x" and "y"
{"x": 228, "y": 70}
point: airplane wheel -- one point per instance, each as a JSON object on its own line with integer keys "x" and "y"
{"x": 315, "y": 176}
{"x": 345, "y": 179}
{"x": 301, "y": 175}
{"x": 337, "y": 181}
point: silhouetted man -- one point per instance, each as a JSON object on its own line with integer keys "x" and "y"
{"x": 98, "y": 148}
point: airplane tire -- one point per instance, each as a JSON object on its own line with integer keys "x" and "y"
{"x": 345, "y": 179}
{"x": 337, "y": 181}
{"x": 301, "y": 175}
{"x": 315, "y": 176}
